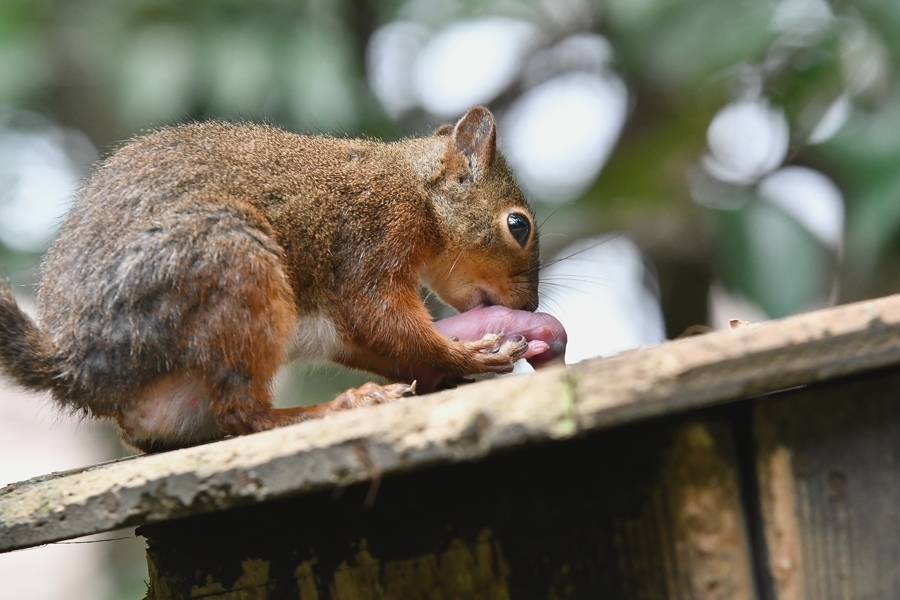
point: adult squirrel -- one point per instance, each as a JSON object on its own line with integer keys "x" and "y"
{"x": 200, "y": 257}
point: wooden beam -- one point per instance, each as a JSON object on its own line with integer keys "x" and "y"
{"x": 463, "y": 424}
{"x": 650, "y": 510}
{"x": 827, "y": 462}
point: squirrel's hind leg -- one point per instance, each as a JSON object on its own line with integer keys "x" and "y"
{"x": 239, "y": 382}
{"x": 235, "y": 322}
{"x": 227, "y": 314}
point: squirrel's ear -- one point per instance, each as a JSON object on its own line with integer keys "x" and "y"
{"x": 445, "y": 129}
{"x": 475, "y": 137}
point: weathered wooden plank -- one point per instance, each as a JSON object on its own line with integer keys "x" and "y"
{"x": 648, "y": 511}
{"x": 463, "y": 424}
{"x": 829, "y": 471}
{"x": 700, "y": 482}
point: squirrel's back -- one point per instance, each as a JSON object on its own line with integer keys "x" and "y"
{"x": 153, "y": 233}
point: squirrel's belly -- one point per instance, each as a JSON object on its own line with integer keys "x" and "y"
{"x": 175, "y": 411}
{"x": 315, "y": 339}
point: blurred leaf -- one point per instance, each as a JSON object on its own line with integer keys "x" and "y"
{"x": 681, "y": 44}
{"x": 321, "y": 80}
{"x": 241, "y": 64}
{"x": 874, "y": 226}
{"x": 884, "y": 17}
{"x": 865, "y": 158}
{"x": 771, "y": 259}
{"x": 26, "y": 66}
{"x": 656, "y": 140}
{"x": 157, "y": 76}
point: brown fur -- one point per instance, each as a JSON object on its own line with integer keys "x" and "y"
{"x": 192, "y": 252}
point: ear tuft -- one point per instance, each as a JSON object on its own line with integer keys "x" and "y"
{"x": 445, "y": 129}
{"x": 475, "y": 137}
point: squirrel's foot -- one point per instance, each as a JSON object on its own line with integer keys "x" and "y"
{"x": 370, "y": 394}
{"x": 493, "y": 354}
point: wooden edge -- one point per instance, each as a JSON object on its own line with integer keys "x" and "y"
{"x": 464, "y": 424}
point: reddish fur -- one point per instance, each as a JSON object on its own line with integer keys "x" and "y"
{"x": 193, "y": 251}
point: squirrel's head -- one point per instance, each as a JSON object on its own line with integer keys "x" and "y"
{"x": 488, "y": 249}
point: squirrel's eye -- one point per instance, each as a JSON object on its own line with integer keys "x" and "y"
{"x": 519, "y": 227}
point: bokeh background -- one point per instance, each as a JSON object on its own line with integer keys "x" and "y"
{"x": 691, "y": 161}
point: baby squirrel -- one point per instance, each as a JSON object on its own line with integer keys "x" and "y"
{"x": 200, "y": 257}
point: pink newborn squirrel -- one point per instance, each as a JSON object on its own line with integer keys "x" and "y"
{"x": 545, "y": 335}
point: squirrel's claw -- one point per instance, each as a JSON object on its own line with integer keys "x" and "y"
{"x": 371, "y": 393}
{"x": 493, "y": 354}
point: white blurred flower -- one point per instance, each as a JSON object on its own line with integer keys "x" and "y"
{"x": 389, "y": 61}
{"x": 811, "y": 198}
{"x": 831, "y": 122}
{"x": 581, "y": 52}
{"x": 802, "y": 21}
{"x": 865, "y": 61}
{"x": 561, "y": 133}
{"x": 746, "y": 139}
{"x": 471, "y": 63}
{"x": 600, "y": 295}
{"x": 41, "y": 168}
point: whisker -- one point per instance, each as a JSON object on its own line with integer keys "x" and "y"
{"x": 546, "y": 264}
{"x": 573, "y": 288}
{"x": 553, "y": 302}
{"x": 577, "y": 277}
{"x": 453, "y": 266}
{"x": 547, "y": 218}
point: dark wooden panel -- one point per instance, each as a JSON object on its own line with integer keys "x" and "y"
{"x": 828, "y": 458}
{"x": 644, "y": 511}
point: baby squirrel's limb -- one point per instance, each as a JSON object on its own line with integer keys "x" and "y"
{"x": 545, "y": 335}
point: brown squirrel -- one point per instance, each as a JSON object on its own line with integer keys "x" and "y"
{"x": 200, "y": 257}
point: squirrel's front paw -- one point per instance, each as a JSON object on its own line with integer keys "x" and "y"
{"x": 491, "y": 354}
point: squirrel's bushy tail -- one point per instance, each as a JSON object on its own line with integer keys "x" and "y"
{"x": 26, "y": 355}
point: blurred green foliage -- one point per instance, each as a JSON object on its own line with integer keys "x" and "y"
{"x": 112, "y": 68}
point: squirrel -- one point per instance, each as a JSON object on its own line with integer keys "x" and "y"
{"x": 201, "y": 256}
